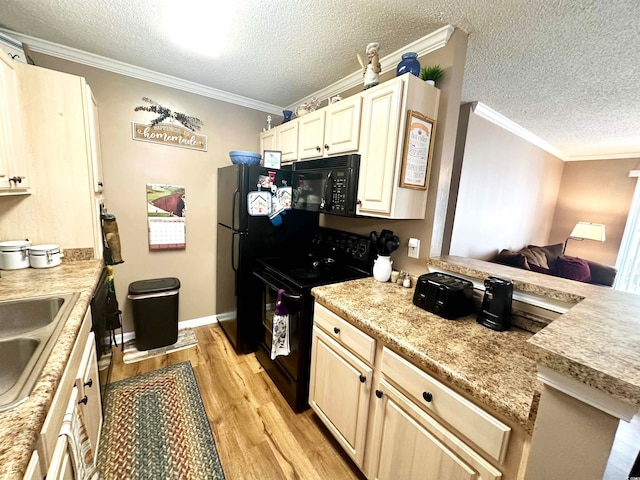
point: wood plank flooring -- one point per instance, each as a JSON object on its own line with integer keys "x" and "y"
{"x": 257, "y": 434}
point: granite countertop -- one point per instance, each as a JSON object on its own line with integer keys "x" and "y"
{"x": 489, "y": 366}
{"x": 20, "y": 427}
{"x": 596, "y": 341}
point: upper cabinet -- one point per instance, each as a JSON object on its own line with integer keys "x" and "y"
{"x": 283, "y": 138}
{"x": 14, "y": 178}
{"x": 384, "y": 124}
{"x": 330, "y": 131}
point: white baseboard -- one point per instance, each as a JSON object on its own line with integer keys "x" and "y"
{"x": 194, "y": 322}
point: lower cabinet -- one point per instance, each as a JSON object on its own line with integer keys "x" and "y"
{"x": 80, "y": 386}
{"x": 393, "y": 419}
{"x": 339, "y": 393}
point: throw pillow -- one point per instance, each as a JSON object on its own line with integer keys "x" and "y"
{"x": 512, "y": 259}
{"x": 535, "y": 256}
{"x": 536, "y": 268}
{"x": 573, "y": 268}
{"x": 552, "y": 252}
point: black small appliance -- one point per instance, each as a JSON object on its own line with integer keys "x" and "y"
{"x": 495, "y": 312}
{"x": 445, "y": 295}
{"x": 327, "y": 185}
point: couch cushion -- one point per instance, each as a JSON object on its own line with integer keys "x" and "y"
{"x": 552, "y": 252}
{"x": 535, "y": 256}
{"x": 513, "y": 259}
{"x": 573, "y": 268}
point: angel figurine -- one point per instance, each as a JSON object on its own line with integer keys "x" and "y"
{"x": 372, "y": 70}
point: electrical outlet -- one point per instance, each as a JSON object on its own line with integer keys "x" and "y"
{"x": 414, "y": 248}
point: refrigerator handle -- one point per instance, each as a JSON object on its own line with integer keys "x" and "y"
{"x": 233, "y": 251}
{"x": 233, "y": 210}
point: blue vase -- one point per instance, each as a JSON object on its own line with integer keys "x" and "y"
{"x": 287, "y": 115}
{"x": 409, "y": 63}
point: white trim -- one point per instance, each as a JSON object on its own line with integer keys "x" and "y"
{"x": 422, "y": 46}
{"x": 634, "y": 173}
{"x": 500, "y": 120}
{"x": 586, "y": 394}
{"x": 115, "y": 66}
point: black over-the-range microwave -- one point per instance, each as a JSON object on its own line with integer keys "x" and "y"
{"x": 327, "y": 185}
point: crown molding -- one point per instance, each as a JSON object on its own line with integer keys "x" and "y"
{"x": 422, "y": 46}
{"x": 85, "y": 58}
{"x": 491, "y": 115}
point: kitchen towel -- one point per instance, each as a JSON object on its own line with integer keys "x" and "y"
{"x": 79, "y": 445}
{"x": 280, "y": 333}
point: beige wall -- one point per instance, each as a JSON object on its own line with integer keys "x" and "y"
{"x": 129, "y": 165}
{"x": 451, "y": 58}
{"x": 507, "y": 193}
{"x": 598, "y": 191}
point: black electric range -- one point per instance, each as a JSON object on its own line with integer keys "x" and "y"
{"x": 332, "y": 256}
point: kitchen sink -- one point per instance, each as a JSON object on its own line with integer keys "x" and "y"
{"x": 29, "y": 329}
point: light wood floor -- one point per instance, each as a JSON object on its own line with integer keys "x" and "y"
{"x": 257, "y": 434}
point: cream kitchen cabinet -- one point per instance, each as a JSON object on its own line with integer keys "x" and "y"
{"x": 62, "y": 148}
{"x": 330, "y": 131}
{"x": 14, "y": 176}
{"x": 283, "y": 138}
{"x": 79, "y": 383}
{"x": 339, "y": 391}
{"x": 394, "y": 419}
{"x": 382, "y": 144}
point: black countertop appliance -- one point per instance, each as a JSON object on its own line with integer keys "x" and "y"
{"x": 495, "y": 312}
{"x": 445, "y": 295}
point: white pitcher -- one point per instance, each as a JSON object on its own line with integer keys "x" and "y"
{"x": 382, "y": 268}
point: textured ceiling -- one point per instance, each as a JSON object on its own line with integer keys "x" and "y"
{"x": 566, "y": 70}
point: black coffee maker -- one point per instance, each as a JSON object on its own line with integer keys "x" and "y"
{"x": 496, "y": 304}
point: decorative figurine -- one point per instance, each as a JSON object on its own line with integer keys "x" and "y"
{"x": 268, "y": 122}
{"x": 373, "y": 69}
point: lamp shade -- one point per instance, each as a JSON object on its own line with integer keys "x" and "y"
{"x": 590, "y": 231}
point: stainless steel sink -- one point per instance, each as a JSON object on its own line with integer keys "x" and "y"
{"x": 29, "y": 329}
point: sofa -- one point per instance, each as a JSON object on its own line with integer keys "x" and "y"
{"x": 550, "y": 260}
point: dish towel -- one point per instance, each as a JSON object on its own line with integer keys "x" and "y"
{"x": 80, "y": 451}
{"x": 280, "y": 334}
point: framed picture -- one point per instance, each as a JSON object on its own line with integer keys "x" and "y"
{"x": 272, "y": 158}
{"x": 418, "y": 148}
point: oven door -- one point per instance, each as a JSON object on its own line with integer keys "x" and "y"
{"x": 294, "y": 302}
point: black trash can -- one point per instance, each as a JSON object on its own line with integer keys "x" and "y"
{"x": 155, "y": 312}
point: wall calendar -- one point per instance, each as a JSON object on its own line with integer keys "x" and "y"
{"x": 166, "y": 210}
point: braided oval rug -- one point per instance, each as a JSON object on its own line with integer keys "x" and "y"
{"x": 155, "y": 427}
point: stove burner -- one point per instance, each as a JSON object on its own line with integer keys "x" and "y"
{"x": 327, "y": 262}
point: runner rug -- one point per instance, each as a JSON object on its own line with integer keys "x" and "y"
{"x": 155, "y": 427}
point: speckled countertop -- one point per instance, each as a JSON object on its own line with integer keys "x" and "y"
{"x": 20, "y": 427}
{"x": 488, "y": 365}
{"x": 596, "y": 341}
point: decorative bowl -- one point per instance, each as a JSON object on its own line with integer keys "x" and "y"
{"x": 248, "y": 158}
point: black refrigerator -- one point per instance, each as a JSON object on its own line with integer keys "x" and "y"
{"x": 242, "y": 239}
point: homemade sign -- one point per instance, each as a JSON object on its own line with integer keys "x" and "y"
{"x": 169, "y": 134}
{"x": 166, "y": 209}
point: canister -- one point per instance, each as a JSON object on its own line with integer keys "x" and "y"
{"x": 44, "y": 256}
{"x": 14, "y": 254}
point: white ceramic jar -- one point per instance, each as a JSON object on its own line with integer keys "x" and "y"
{"x": 44, "y": 256}
{"x": 14, "y": 254}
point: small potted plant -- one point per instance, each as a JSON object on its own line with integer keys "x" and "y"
{"x": 431, "y": 74}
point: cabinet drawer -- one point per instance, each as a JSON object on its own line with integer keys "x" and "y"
{"x": 351, "y": 337}
{"x": 485, "y": 431}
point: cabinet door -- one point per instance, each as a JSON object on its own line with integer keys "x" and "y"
{"x": 407, "y": 443}
{"x": 288, "y": 141}
{"x": 339, "y": 393}
{"x": 269, "y": 140}
{"x": 380, "y": 128}
{"x": 88, "y": 383}
{"x": 13, "y": 163}
{"x": 34, "y": 472}
{"x": 95, "y": 166}
{"x": 61, "y": 467}
{"x": 311, "y": 135}
{"x": 342, "y": 126}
